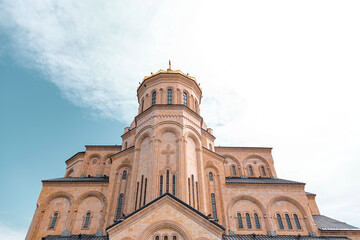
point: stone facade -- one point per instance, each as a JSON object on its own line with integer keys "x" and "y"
{"x": 169, "y": 181}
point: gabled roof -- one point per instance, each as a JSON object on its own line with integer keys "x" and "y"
{"x": 176, "y": 199}
{"x": 251, "y": 180}
{"x": 279, "y": 237}
{"x": 75, "y": 237}
{"x": 328, "y": 224}
{"x": 78, "y": 179}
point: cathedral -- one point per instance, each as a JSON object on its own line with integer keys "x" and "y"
{"x": 168, "y": 181}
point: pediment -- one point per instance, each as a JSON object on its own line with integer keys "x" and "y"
{"x": 165, "y": 215}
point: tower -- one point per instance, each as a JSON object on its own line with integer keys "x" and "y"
{"x": 168, "y": 181}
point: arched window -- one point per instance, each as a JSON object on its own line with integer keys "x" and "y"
{"x": 169, "y": 96}
{"x": 124, "y": 175}
{"x": 263, "y": 171}
{"x": 161, "y": 184}
{"x": 87, "y": 220}
{"x": 167, "y": 181}
{"x": 142, "y": 105}
{"x": 185, "y": 98}
{"x": 118, "y": 213}
{"x": 233, "y": 170}
{"x": 288, "y": 221}
{"x": 281, "y": 226}
{"x": 174, "y": 237}
{"x": 298, "y": 226}
{"x": 240, "y": 224}
{"x": 173, "y": 185}
{"x": 248, "y": 221}
{"x": 166, "y": 238}
{"x": 211, "y": 176}
{"x": 53, "y": 220}
{"x": 257, "y": 222}
{"x": 213, "y": 204}
{"x": 157, "y": 238}
{"x": 153, "y": 98}
{"x": 251, "y": 171}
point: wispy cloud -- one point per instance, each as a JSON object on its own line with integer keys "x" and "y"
{"x": 282, "y": 74}
{"x": 9, "y": 233}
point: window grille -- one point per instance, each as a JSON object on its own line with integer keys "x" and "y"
{"x": 185, "y": 98}
{"x": 87, "y": 220}
{"x": 240, "y": 223}
{"x": 248, "y": 221}
{"x": 173, "y": 185}
{"x": 281, "y": 226}
{"x": 169, "y": 96}
{"x": 298, "y": 226}
{"x": 257, "y": 222}
{"x": 118, "y": 213}
{"x": 54, "y": 219}
{"x": 213, "y": 204}
{"x": 167, "y": 181}
{"x": 288, "y": 221}
{"x": 153, "y": 98}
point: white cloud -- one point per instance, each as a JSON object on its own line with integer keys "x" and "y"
{"x": 9, "y": 233}
{"x": 274, "y": 73}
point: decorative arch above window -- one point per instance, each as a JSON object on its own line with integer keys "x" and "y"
{"x": 185, "y": 98}
{"x": 53, "y": 220}
{"x": 87, "y": 220}
{"x": 211, "y": 177}
{"x": 169, "y": 96}
{"x": 124, "y": 175}
{"x": 153, "y": 98}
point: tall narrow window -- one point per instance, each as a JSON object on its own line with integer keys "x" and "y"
{"x": 153, "y": 98}
{"x": 167, "y": 181}
{"x": 185, "y": 98}
{"x": 141, "y": 189}
{"x": 298, "y": 226}
{"x": 193, "y": 189}
{"x": 173, "y": 186}
{"x": 211, "y": 176}
{"x": 87, "y": 220}
{"x": 166, "y": 238}
{"x": 120, "y": 203}
{"x": 288, "y": 221}
{"x": 248, "y": 221}
{"x": 169, "y": 96}
{"x": 240, "y": 223}
{"x": 54, "y": 219}
{"x": 233, "y": 170}
{"x": 124, "y": 175}
{"x": 281, "y": 226}
{"x": 145, "y": 191}
{"x": 263, "y": 171}
{"x": 174, "y": 237}
{"x": 161, "y": 185}
{"x": 196, "y": 107}
{"x": 137, "y": 193}
{"x": 251, "y": 171}
{"x": 197, "y": 196}
{"x": 213, "y": 205}
{"x": 257, "y": 222}
{"x": 142, "y": 105}
{"x": 189, "y": 191}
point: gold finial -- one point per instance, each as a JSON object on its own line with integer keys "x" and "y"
{"x": 169, "y": 65}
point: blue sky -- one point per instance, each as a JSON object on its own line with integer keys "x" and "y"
{"x": 281, "y": 74}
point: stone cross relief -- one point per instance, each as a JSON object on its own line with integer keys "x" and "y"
{"x": 168, "y": 152}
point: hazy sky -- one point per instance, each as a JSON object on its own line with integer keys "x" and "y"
{"x": 281, "y": 74}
